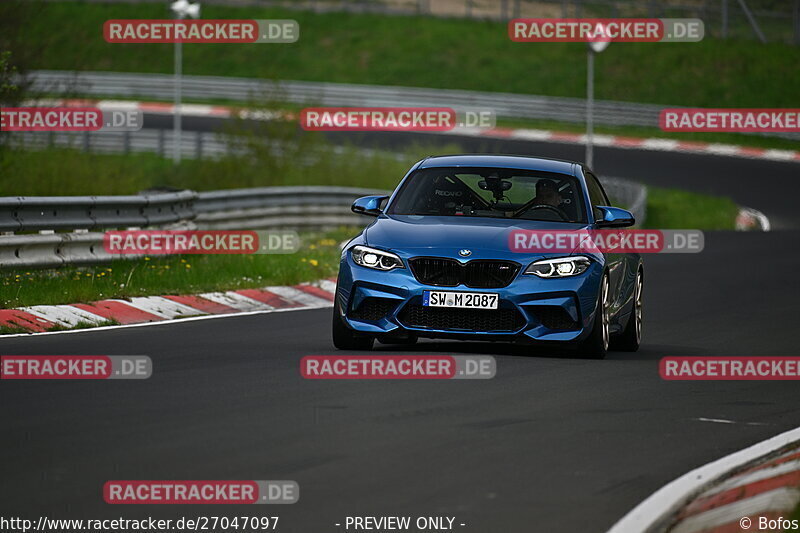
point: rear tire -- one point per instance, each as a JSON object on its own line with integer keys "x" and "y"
{"x": 630, "y": 339}
{"x": 595, "y": 345}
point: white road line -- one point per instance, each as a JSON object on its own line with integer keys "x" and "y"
{"x": 715, "y": 420}
{"x": 64, "y": 315}
{"x": 783, "y": 499}
{"x": 668, "y": 499}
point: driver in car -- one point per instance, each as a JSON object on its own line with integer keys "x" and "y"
{"x": 547, "y": 193}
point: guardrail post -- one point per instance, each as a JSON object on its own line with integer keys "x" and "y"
{"x": 161, "y": 150}
{"x": 86, "y": 141}
{"x": 517, "y": 8}
{"x": 126, "y": 142}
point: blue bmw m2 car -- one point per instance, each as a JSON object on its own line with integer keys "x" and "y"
{"x": 437, "y": 260}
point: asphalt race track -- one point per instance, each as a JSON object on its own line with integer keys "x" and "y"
{"x": 549, "y": 445}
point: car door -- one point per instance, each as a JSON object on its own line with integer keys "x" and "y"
{"x": 616, "y": 262}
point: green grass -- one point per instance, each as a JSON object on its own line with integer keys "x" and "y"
{"x": 678, "y": 209}
{"x": 189, "y": 274}
{"x": 72, "y": 172}
{"x": 416, "y": 51}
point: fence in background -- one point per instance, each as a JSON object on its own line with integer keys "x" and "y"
{"x": 194, "y": 145}
{"x": 68, "y": 227}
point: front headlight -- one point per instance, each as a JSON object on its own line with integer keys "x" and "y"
{"x": 560, "y": 267}
{"x": 377, "y": 259}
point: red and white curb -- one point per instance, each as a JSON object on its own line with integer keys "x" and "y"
{"x": 636, "y": 143}
{"x": 615, "y": 141}
{"x": 148, "y": 309}
{"x": 750, "y": 219}
{"x": 769, "y": 490}
{"x": 726, "y": 495}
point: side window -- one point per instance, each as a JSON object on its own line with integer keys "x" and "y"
{"x": 596, "y": 194}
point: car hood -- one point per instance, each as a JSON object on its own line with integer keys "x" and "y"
{"x": 416, "y": 234}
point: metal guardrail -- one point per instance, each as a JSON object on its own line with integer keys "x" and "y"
{"x": 279, "y": 207}
{"x": 248, "y": 90}
{"x": 303, "y": 208}
{"x": 194, "y": 145}
{"x": 58, "y": 213}
{"x": 630, "y": 194}
{"x": 160, "y": 86}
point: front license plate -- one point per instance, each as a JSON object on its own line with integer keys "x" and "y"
{"x": 470, "y": 300}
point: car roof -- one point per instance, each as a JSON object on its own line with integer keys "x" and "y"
{"x": 501, "y": 161}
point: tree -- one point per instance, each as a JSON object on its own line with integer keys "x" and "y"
{"x": 9, "y": 90}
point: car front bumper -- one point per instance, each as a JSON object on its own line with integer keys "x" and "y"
{"x": 531, "y": 309}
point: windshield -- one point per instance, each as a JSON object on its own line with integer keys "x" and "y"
{"x": 491, "y": 193}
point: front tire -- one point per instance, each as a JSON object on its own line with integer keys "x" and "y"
{"x": 595, "y": 345}
{"x": 630, "y": 339}
{"x": 345, "y": 338}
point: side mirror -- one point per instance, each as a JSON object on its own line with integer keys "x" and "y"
{"x": 614, "y": 217}
{"x": 368, "y": 205}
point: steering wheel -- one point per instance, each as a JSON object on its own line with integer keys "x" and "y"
{"x": 556, "y": 210}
